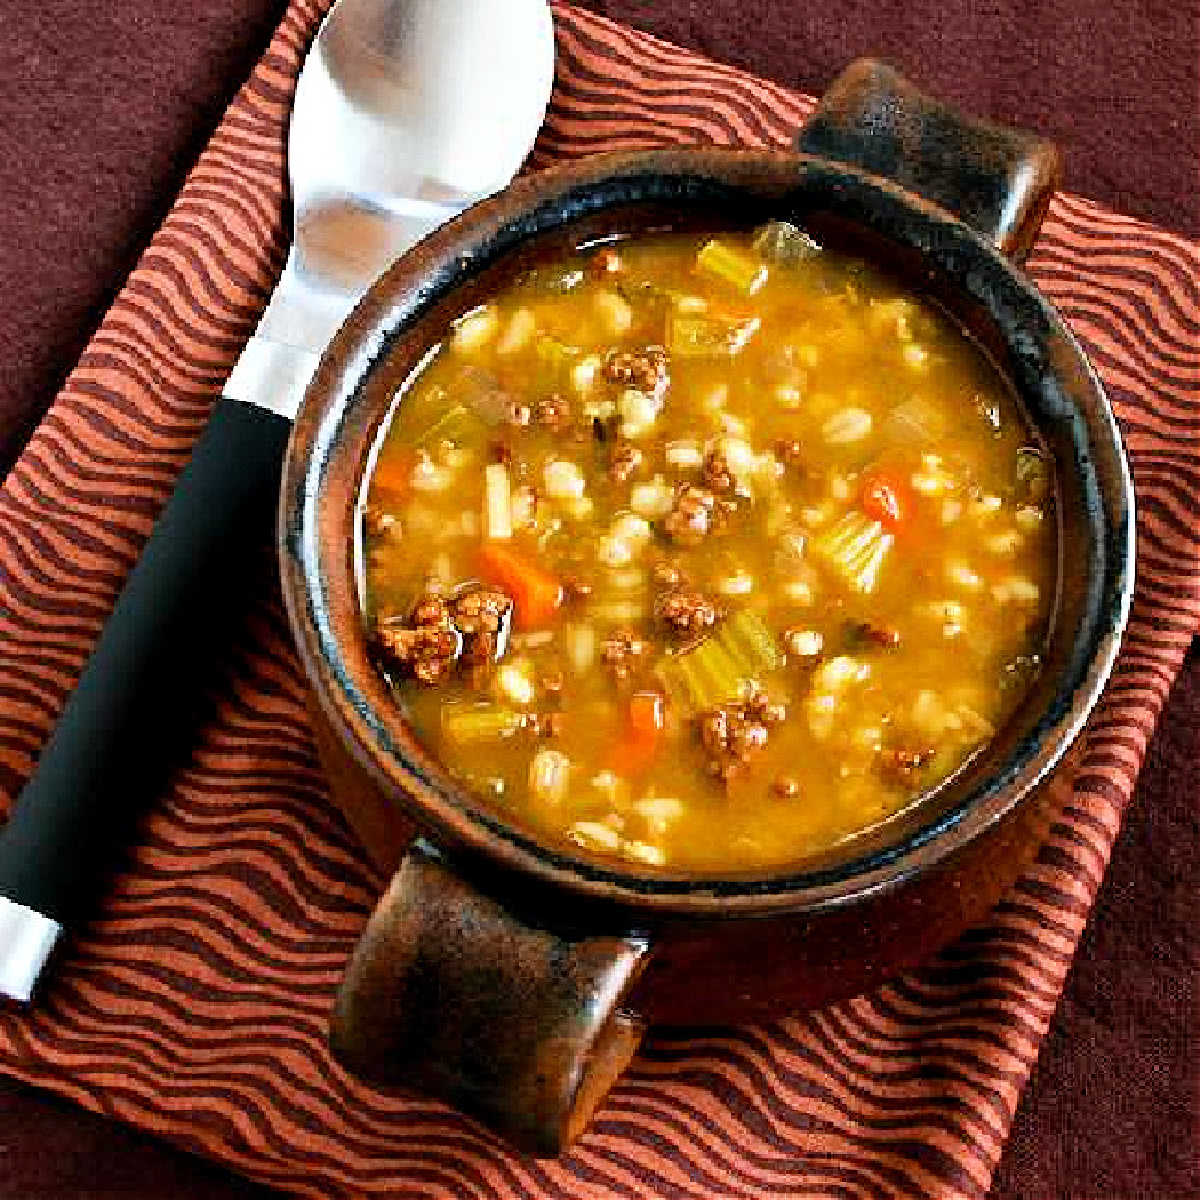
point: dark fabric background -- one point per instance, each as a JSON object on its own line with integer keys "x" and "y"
{"x": 103, "y": 108}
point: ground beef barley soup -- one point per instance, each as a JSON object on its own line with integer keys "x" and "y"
{"x": 707, "y": 552}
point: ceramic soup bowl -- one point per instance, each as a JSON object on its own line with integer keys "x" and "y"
{"x": 513, "y": 978}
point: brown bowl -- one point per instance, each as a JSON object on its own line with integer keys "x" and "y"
{"x": 513, "y": 977}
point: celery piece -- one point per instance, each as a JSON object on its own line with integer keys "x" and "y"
{"x": 715, "y": 671}
{"x": 580, "y": 644}
{"x": 916, "y": 422}
{"x": 619, "y": 609}
{"x": 743, "y": 272}
{"x": 555, "y": 353}
{"x": 1033, "y": 474}
{"x": 702, "y": 677}
{"x": 467, "y": 723}
{"x": 644, "y": 294}
{"x": 555, "y": 361}
{"x": 783, "y": 242}
{"x": 457, "y": 424}
{"x": 693, "y": 335}
{"x": 480, "y": 391}
{"x": 748, "y": 639}
{"x": 564, "y": 281}
{"x": 855, "y": 547}
{"x": 670, "y": 675}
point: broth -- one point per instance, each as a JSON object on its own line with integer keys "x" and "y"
{"x": 707, "y": 552}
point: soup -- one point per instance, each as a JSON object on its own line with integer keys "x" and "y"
{"x": 706, "y": 552}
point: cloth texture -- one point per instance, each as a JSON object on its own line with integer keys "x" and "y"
{"x": 196, "y": 1005}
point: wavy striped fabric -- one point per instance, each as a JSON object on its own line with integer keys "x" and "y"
{"x": 195, "y": 1005}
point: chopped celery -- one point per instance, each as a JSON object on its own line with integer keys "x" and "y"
{"x": 644, "y": 292}
{"x": 783, "y": 242}
{"x": 457, "y": 424}
{"x": 481, "y": 392}
{"x": 716, "y": 670}
{"x": 580, "y": 643}
{"x": 743, "y": 272}
{"x": 555, "y": 353}
{"x": 555, "y": 361}
{"x": 702, "y": 677}
{"x": 747, "y": 636}
{"x": 619, "y": 610}
{"x": 1033, "y": 474}
{"x": 915, "y": 422}
{"x": 855, "y": 547}
{"x": 564, "y": 281}
{"x": 467, "y": 723}
{"x": 692, "y": 335}
{"x": 614, "y": 311}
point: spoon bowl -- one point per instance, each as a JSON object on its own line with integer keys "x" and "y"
{"x": 377, "y": 147}
{"x": 406, "y": 112}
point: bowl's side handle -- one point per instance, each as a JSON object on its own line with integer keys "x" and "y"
{"x": 453, "y": 994}
{"x": 996, "y": 179}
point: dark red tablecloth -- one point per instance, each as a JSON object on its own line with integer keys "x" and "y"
{"x": 102, "y": 109}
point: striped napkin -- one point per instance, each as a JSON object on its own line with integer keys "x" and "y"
{"x": 195, "y": 1005}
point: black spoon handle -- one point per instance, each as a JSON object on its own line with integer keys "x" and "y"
{"x": 127, "y": 714}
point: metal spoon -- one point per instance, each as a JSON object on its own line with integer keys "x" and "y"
{"x": 405, "y": 112}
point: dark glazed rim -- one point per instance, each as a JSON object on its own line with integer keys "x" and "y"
{"x": 323, "y": 473}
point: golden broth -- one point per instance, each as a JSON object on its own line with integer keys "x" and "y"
{"x": 707, "y": 552}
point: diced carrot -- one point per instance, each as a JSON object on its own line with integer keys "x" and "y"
{"x": 393, "y": 472}
{"x": 642, "y": 742}
{"x": 885, "y": 498}
{"x": 646, "y": 712}
{"x": 634, "y": 754}
{"x": 537, "y": 594}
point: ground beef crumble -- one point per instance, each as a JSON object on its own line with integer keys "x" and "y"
{"x": 866, "y": 634}
{"x": 732, "y": 734}
{"x": 552, "y": 413}
{"x": 900, "y": 766}
{"x": 685, "y": 611}
{"x": 483, "y": 616}
{"x": 716, "y": 475}
{"x": 623, "y": 460}
{"x": 621, "y": 652}
{"x": 426, "y": 646}
{"x": 694, "y": 516}
{"x": 472, "y": 628}
{"x": 647, "y": 369}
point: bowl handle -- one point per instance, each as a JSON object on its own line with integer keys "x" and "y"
{"x": 456, "y": 996}
{"x": 997, "y": 179}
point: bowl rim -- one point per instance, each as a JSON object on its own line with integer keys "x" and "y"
{"x": 482, "y": 235}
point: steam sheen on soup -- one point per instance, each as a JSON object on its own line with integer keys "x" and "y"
{"x": 707, "y": 552}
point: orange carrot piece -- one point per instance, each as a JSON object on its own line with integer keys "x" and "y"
{"x": 635, "y": 753}
{"x": 885, "y": 498}
{"x": 537, "y": 594}
{"x": 646, "y": 713}
{"x": 393, "y": 473}
{"x": 642, "y": 742}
